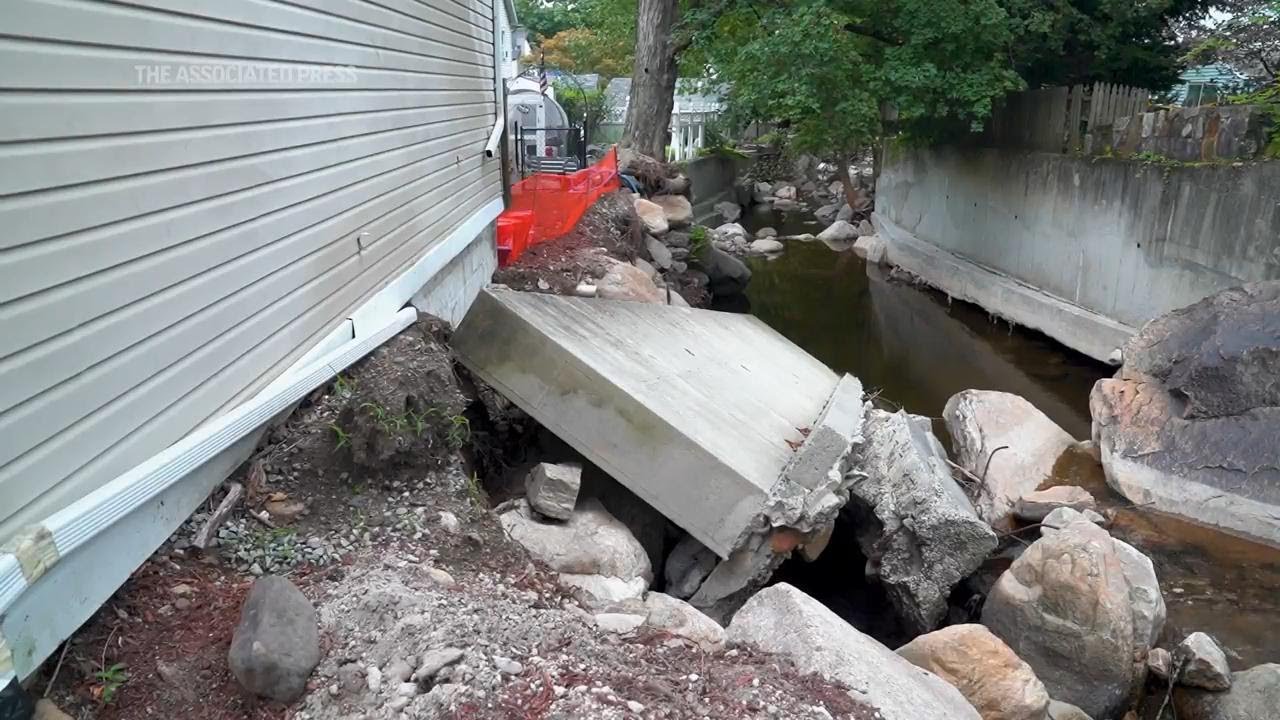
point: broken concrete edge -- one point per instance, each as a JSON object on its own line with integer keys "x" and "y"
{"x": 802, "y": 506}
{"x": 1079, "y": 328}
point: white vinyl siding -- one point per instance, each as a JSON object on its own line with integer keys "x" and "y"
{"x": 169, "y": 248}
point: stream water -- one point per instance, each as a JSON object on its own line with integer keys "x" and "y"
{"x": 916, "y": 349}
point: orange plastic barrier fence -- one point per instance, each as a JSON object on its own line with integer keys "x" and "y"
{"x": 544, "y": 207}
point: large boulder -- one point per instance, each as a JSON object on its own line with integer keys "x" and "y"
{"x": 989, "y": 675}
{"x": 276, "y": 644}
{"x": 781, "y": 619}
{"x": 1254, "y": 695}
{"x": 593, "y": 551}
{"x": 979, "y": 422}
{"x": 1188, "y": 425}
{"x": 1064, "y": 608}
{"x": 871, "y": 248}
{"x": 678, "y": 209}
{"x": 652, "y": 215}
{"x": 727, "y": 275}
{"x": 827, "y": 213}
{"x": 915, "y": 525}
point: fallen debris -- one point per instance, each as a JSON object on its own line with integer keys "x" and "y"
{"x": 209, "y": 530}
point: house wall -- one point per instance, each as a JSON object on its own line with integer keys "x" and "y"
{"x": 197, "y": 192}
{"x": 1100, "y": 245}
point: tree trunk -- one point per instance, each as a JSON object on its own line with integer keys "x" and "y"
{"x": 852, "y": 195}
{"x": 653, "y": 82}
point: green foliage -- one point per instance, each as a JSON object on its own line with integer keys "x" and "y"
{"x": 699, "y": 240}
{"x": 589, "y": 106}
{"x": 341, "y": 438}
{"x": 1268, "y": 101}
{"x": 111, "y": 679}
{"x": 831, "y": 71}
{"x": 583, "y": 36}
{"x": 1243, "y": 33}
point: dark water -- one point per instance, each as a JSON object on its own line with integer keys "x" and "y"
{"x": 908, "y": 343}
{"x": 917, "y": 349}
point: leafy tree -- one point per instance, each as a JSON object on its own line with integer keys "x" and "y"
{"x": 582, "y": 50}
{"x": 840, "y": 74}
{"x": 1242, "y": 33}
{"x": 544, "y": 19}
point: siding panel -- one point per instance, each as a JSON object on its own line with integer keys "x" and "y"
{"x": 170, "y": 248}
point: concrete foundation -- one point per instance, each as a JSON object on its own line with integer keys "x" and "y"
{"x": 714, "y": 419}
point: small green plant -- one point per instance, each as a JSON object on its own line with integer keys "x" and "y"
{"x": 479, "y": 498}
{"x": 459, "y": 431}
{"x": 343, "y": 386}
{"x": 698, "y": 240}
{"x": 341, "y": 437}
{"x": 111, "y": 679}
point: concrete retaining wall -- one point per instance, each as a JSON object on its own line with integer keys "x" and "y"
{"x": 449, "y": 294}
{"x": 711, "y": 180}
{"x": 1121, "y": 240}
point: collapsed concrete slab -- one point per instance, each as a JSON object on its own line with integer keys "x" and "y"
{"x": 714, "y": 419}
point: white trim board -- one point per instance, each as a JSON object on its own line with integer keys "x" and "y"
{"x": 131, "y": 515}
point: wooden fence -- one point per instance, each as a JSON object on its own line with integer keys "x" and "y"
{"x": 1057, "y": 119}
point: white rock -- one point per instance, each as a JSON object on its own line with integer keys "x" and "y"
{"x": 732, "y": 230}
{"x": 681, "y": 619}
{"x": 552, "y": 488}
{"x": 624, "y": 281}
{"x": 507, "y": 666}
{"x": 980, "y": 421}
{"x": 786, "y": 192}
{"x": 600, "y": 591}
{"x": 766, "y": 247}
{"x": 652, "y": 215}
{"x": 839, "y": 231}
{"x": 766, "y": 232}
{"x": 591, "y": 542}
{"x": 871, "y": 248}
{"x": 660, "y": 253}
{"x": 781, "y": 619}
{"x": 373, "y": 679}
{"x": 618, "y": 623}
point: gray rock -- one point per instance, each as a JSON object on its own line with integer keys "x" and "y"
{"x": 781, "y": 619}
{"x": 1202, "y": 664}
{"x": 599, "y": 592}
{"x": 980, "y": 421}
{"x": 766, "y": 232}
{"x": 728, "y": 210}
{"x": 1062, "y": 517}
{"x": 1189, "y": 423}
{"x": 660, "y": 254}
{"x": 1145, "y": 599}
{"x": 645, "y": 267}
{"x": 591, "y": 542}
{"x": 433, "y": 661}
{"x": 845, "y": 213}
{"x": 915, "y": 525}
{"x": 786, "y": 192}
{"x": 767, "y": 246}
{"x": 865, "y": 228}
{"x": 676, "y": 240}
{"x": 1065, "y": 711}
{"x": 1036, "y": 505}
{"x": 839, "y": 231}
{"x": 507, "y": 666}
{"x": 731, "y": 230}
{"x": 276, "y": 644}
{"x": 783, "y": 205}
{"x": 619, "y": 623}
{"x": 552, "y": 489}
{"x": 727, "y": 275}
{"x": 762, "y": 192}
{"x": 689, "y": 563}
{"x": 1254, "y": 695}
{"x": 1064, "y": 608}
{"x": 827, "y": 213}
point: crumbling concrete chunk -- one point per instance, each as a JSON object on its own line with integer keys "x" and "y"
{"x": 552, "y": 489}
{"x": 915, "y": 525}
